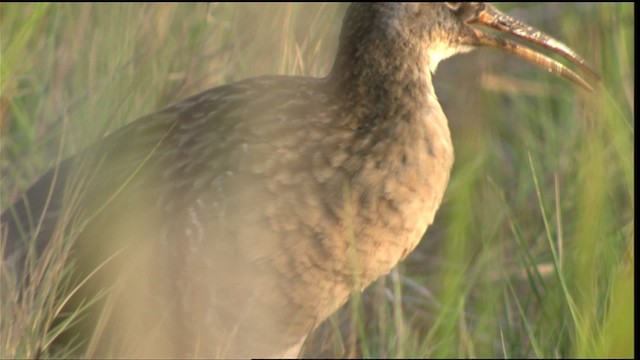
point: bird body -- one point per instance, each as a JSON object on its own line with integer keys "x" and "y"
{"x": 247, "y": 214}
{"x": 298, "y": 194}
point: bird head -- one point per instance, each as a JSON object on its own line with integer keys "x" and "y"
{"x": 435, "y": 31}
{"x": 467, "y": 14}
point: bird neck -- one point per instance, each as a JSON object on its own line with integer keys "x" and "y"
{"x": 380, "y": 78}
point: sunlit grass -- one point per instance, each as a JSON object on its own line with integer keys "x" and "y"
{"x": 532, "y": 251}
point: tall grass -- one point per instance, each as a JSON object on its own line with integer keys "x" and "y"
{"x": 532, "y": 251}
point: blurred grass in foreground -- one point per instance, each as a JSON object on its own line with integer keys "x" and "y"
{"x": 532, "y": 251}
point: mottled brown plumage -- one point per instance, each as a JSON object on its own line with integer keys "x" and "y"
{"x": 242, "y": 217}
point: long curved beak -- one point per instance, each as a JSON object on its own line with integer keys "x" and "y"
{"x": 489, "y": 16}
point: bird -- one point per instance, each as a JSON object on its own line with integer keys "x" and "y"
{"x": 234, "y": 222}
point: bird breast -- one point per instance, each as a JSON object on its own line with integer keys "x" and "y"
{"x": 381, "y": 191}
